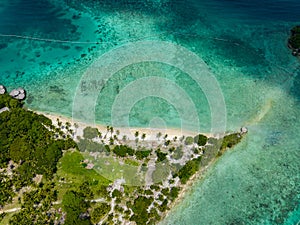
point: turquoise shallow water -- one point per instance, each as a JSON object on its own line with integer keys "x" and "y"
{"x": 243, "y": 43}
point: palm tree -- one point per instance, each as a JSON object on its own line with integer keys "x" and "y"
{"x": 136, "y": 134}
{"x": 107, "y": 130}
{"x": 111, "y": 131}
{"x": 143, "y": 136}
{"x": 111, "y": 141}
{"x": 165, "y": 137}
{"x": 68, "y": 125}
{"x": 158, "y": 135}
{"x": 99, "y": 134}
{"x": 136, "y": 141}
{"x": 59, "y": 123}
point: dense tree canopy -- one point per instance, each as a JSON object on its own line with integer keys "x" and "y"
{"x": 27, "y": 139}
{"x": 200, "y": 139}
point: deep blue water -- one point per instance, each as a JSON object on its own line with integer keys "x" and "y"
{"x": 243, "y": 43}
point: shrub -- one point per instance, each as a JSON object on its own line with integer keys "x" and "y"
{"x": 160, "y": 156}
{"x": 230, "y": 140}
{"x": 189, "y": 140}
{"x": 200, "y": 139}
{"x": 90, "y": 133}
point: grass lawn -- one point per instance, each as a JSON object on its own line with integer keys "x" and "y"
{"x": 70, "y": 168}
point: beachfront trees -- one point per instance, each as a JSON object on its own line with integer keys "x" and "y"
{"x": 200, "y": 139}
{"x": 160, "y": 155}
{"x": 230, "y": 140}
{"x": 136, "y": 134}
{"x": 189, "y": 140}
{"x": 158, "y": 135}
{"x": 90, "y": 133}
{"x": 189, "y": 169}
{"x": 123, "y": 151}
{"x": 143, "y": 136}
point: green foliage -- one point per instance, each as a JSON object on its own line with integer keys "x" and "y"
{"x": 85, "y": 187}
{"x": 154, "y": 187}
{"x": 230, "y": 140}
{"x": 132, "y": 162}
{"x": 6, "y": 191}
{"x": 72, "y": 169}
{"x": 160, "y": 155}
{"x": 90, "y": 133}
{"x": 178, "y": 153}
{"x": 294, "y": 39}
{"x": 35, "y": 204}
{"x": 99, "y": 212}
{"x": 90, "y": 146}
{"x": 189, "y": 140}
{"x": 25, "y": 138}
{"x": 7, "y": 101}
{"x": 142, "y": 154}
{"x": 123, "y": 150}
{"x": 200, "y": 139}
{"x": 116, "y": 194}
{"x": 189, "y": 169}
{"x": 139, "y": 208}
{"x": 164, "y": 206}
{"x": 101, "y": 191}
{"x": 161, "y": 172}
{"x": 74, "y": 204}
{"x": 174, "y": 193}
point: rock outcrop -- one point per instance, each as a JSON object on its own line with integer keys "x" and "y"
{"x": 18, "y": 93}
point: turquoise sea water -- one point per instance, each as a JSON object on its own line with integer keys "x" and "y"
{"x": 243, "y": 43}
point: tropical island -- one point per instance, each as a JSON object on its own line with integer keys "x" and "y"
{"x": 294, "y": 41}
{"x": 54, "y": 171}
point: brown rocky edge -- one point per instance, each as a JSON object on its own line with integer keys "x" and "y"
{"x": 294, "y": 41}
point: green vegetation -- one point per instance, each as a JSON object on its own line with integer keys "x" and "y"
{"x": 90, "y": 146}
{"x": 161, "y": 172}
{"x": 189, "y": 169}
{"x": 142, "y": 154}
{"x": 294, "y": 39}
{"x": 73, "y": 171}
{"x": 99, "y": 212}
{"x": 35, "y": 204}
{"x": 75, "y": 206}
{"x": 31, "y": 149}
{"x": 161, "y": 156}
{"x": 27, "y": 139}
{"x": 178, "y": 153}
{"x": 139, "y": 208}
{"x": 123, "y": 150}
{"x": 230, "y": 140}
{"x": 189, "y": 140}
{"x": 7, "y": 101}
{"x": 200, "y": 139}
{"x": 90, "y": 133}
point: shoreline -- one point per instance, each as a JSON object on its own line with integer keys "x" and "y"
{"x": 185, "y": 189}
{"x": 188, "y": 187}
{"x": 128, "y": 131}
